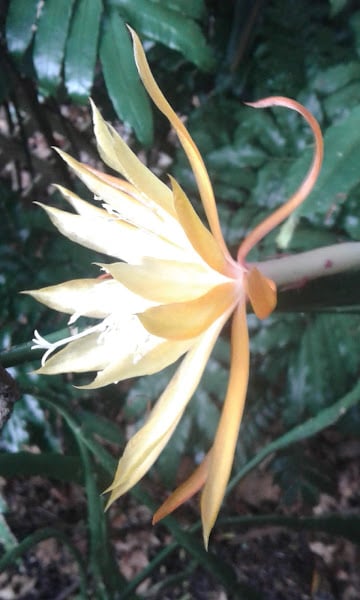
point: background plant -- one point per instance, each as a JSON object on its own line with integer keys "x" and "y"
{"x": 207, "y": 57}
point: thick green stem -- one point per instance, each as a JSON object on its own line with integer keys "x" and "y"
{"x": 322, "y": 262}
{"x": 23, "y": 353}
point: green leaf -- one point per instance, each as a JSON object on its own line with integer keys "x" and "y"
{"x": 325, "y": 365}
{"x": 125, "y": 89}
{"x": 50, "y": 42}
{"x": 337, "y": 6}
{"x": 46, "y": 464}
{"x": 169, "y": 27}
{"x": 103, "y": 427}
{"x": 347, "y": 526}
{"x": 355, "y": 26}
{"x": 347, "y": 96}
{"x": 20, "y": 22}
{"x": 311, "y": 478}
{"x": 7, "y": 539}
{"x": 102, "y": 563}
{"x": 81, "y": 49}
{"x": 191, "y": 8}
{"x": 351, "y": 216}
{"x": 339, "y": 174}
{"x": 336, "y": 77}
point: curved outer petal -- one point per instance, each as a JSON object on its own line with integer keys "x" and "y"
{"x": 82, "y": 207}
{"x": 184, "y": 320}
{"x": 118, "y": 350}
{"x": 305, "y": 188}
{"x": 190, "y": 148}
{"x": 166, "y": 281}
{"x": 97, "y": 298}
{"x": 151, "y": 356}
{"x": 223, "y": 449}
{"x": 118, "y": 184}
{"x": 186, "y": 490}
{"x": 199, "y": 236}
{"x": 146, "y": 445}
{"x": 125, "y": 206}
{"x": 106, "y": 234}
{"x": 173, "y": 236}
{"x": 87, "y": 353}
{"x": 261, "y": 292}
{"x": 116, "y": 153}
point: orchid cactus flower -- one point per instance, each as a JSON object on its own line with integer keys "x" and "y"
{"x": 171, "y": 291}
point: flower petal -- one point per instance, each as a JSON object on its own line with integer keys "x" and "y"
{"x": 118, "y": 349}
{"x": 185, "y": 491}
{"x": 190, "y": 148}
{"x": 145, "y": 446}
{"x": 126, "y": 207}
{"x": 118, "y": 184}
{"x": 305, "y": 188}
{"x": 199, "y": 236}
{"x": 96, "y": 298}
{"x": 165, "y": 281}
{"x": 172, "y": 233}
{"x": 223, "y": 449}
{"x": 116, "y": 153}
{"x": 87, "y": 353}
{"x": 150, "y": 356}
{"x": 261, "y": 292}
{"x": 103, "y": 233}
{"x": 183, "y": 320}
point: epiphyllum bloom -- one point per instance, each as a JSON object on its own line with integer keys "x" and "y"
{"x": 170, "y": 296}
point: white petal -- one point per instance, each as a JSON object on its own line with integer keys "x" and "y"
{"x": 151, "y": 355}
{"x": 145, "y": 446}
{"x": 88, "y": 353}
{"x": 127, "y": 207}
{"x": 108, "y": 235}
{"x": 96, "y": 298}
{"x": 118, "y": 350}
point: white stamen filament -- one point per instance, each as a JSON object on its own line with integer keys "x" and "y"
{"x": 43, "y": 344}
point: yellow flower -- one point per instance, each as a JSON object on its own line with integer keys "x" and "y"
{"x": 176, "y": 287}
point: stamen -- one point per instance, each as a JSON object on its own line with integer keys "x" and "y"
{"x": 40, "y": 343}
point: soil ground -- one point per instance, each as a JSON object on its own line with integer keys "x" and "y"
{"x": 278, "y": 563}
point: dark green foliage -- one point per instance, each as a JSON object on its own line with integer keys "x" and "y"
{"x": 60, "y": 41}
{"x": 300, "y": 479}
{"x": 84, "y": 34}
{"x": 120, "y": 74}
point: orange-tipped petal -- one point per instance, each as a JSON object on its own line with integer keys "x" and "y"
{"x": 222, "y": 453}
{"x": 186, "y": 490}
{"x": 199, "y": 236}
{"x": 190, "y": 148}
{"x": 305, "y": 188}
{"x": 185, "y": 320}
{"x": 165, "y": 281}
{"x": 116, "y": 182}
{"x": 261, "y": 292}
